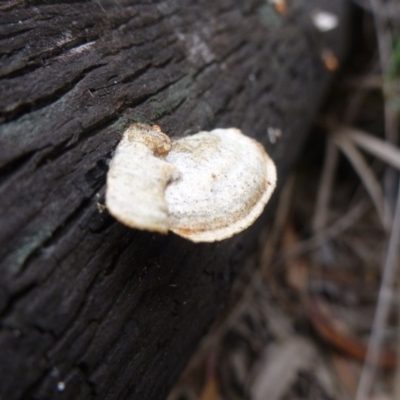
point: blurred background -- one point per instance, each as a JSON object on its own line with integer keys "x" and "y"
{"x": 315, "y": 315}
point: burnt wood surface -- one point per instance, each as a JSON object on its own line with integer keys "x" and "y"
{"x": 90, "y": 309}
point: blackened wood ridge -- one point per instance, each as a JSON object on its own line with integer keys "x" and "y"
{"x": 89, "y": 308}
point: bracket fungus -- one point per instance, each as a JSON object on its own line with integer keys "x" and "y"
{"x": 205, "y": 187}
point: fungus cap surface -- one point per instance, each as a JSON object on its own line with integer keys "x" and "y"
{"x": 205, "y": 187}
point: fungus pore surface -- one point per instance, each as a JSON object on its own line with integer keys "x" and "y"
{"x": 205, "y": 187}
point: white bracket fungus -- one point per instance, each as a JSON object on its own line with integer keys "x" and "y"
{"x": 205, "y": 187}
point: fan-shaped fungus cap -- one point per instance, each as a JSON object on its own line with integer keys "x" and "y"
{"x": 205, "y": 187}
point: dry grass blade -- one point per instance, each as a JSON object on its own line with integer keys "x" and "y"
{"x": 281, "y": 216}
{"x": 341, "y": 225}
{"x": 382, "y": 310}
{"x": 211, "y": 390}
{"x": 325, "y": 186}
{"x": 368, "y": 82}
{"x": 358, "y": 97}
{"x": 381, "y": 149}
{"x": 365, "y": 173}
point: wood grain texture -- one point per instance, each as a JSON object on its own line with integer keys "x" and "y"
{"x": 110, "y": 312}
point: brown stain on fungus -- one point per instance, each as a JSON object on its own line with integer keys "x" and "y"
{"x": 150, "y": 136}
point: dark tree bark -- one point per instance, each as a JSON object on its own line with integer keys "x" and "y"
{"x": 88, "y": 307}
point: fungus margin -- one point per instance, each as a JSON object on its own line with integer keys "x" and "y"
{"x": 204, "y": 187}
